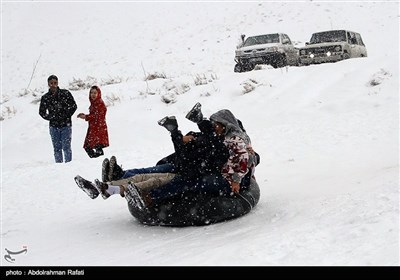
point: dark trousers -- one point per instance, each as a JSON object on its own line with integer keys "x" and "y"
{"x": 209, "y": 184}
{"x": 162, "y": 168}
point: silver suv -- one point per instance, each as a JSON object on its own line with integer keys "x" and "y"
{"x": 332, "y": 46}
{"x": 274, "y": 49}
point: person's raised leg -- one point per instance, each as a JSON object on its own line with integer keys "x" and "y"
{"x": 106, "y": 190}
{"x": 162, "y": 168}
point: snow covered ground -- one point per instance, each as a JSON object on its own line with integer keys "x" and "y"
{"x": 328, "y": 134}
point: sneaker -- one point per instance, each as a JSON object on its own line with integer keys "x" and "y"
{"x": 132, "y": 195}
{"x": 132, "y": 200}
{"x": 102, "y": 188}
{"x": 129, "y": 199}
{"x": 88, "y": 187}
{"x": 115, "y": 171}
{"x": 105, "y": 167}
{"x": 170, "y": 123}
{"x": 195, "y": 115}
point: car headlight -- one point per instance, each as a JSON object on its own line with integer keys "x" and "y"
{"x": 272, "y": 49}
{"x": 328, "y": 54}
{"x": 312, "y": 55}
{"x": 338, "y": 48}
{"x": 303, "y": 52}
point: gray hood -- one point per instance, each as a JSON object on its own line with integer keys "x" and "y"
{"x": 232, "y": 127}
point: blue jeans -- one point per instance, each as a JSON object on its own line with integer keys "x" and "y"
{"x": 61, "y": 138}
{"x": 212, "y": 184}
{"x": 162, "y": 168}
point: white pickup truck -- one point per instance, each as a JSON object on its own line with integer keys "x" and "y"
{"x": 274, "y": 49}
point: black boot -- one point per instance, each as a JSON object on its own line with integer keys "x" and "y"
{"x": 105, "y": 170}
{"x": 91, "y": 153}
{"x": 136, "y": 198}
{"x": 99, "y": 152}
{"x": 102, "y": 188}
{"x": 115, "y": 171}
{"x": 195, "y": 115}
{"x": 170, "y": 123}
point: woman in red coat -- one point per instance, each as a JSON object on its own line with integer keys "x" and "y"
{"x": 97, "y": 133}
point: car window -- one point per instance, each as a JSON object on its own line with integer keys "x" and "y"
{"x": 348, "y": 37}
{"x": 353, "y": 39}
{"x": 284, "y": 36}
{"x": 328, "y": 37}
{"x": 359, "y": 40}
{"x": 261, "y": 39}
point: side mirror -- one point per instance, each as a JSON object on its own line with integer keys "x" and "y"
{"x": 307, "y": 43}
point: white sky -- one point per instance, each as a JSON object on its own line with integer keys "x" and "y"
{"x": 328, "y": 140}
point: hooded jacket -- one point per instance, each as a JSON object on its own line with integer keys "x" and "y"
{"x": 240, "y": 160}
{"x": 97, "y": 133}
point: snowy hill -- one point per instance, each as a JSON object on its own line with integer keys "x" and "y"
{"x": 328, "y": 134}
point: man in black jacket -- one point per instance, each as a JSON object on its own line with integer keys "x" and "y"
{"x": 57, "y": 106}
{"x": 205, "y": 153}
{"x": 196, "y": 154}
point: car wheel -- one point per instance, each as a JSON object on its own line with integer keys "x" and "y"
{"x": 251, "y": 66}
{"x": 238, "y": 68}
{"x": 282, "y": 61}
{"x": 247, "y": 67}
{"x": 279, "y": 61}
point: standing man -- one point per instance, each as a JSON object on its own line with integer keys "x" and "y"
{"x": 58, "y": 106}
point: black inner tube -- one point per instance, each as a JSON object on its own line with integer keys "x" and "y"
{"x": 195, "y": 209}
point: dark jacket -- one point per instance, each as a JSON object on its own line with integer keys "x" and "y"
{"x": 207, "y": 154}
{"x": 57, "y": 108}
